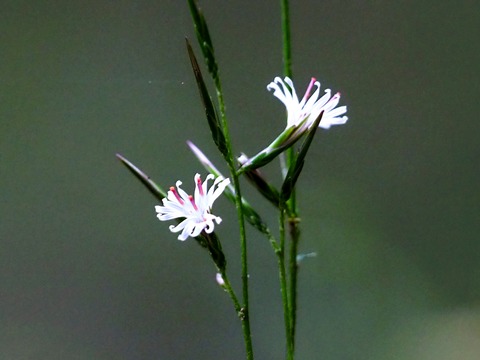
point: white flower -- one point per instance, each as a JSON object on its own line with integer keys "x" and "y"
{"x": 310, "y": 106}
{"x": 195, "y": 210}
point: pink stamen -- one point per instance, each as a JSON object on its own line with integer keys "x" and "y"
{"x": 199, "y": 185}
{"x": 174, "y": 191}
{"x": 309, "y": 88}
{"x": 335, "y": 97}
{"x": 190, "y": 197}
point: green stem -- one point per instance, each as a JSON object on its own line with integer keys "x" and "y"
{"x": 284, "y": 289}
{"x": 287, "y": 51}
{"x": 229, "y": 290}
{"x": 292, "y": 203}
{"x": 287, "y": 71}
{"x": 293, "y": 268}
{"x": 244, "y": 309}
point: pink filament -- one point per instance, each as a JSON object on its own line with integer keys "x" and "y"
{"x": 174, "y": 191}
{"x": 199, "y": 185}
{"x": 309, "y": 88}
{"x": 190, "y": 197}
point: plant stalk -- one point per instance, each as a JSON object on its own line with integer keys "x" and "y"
{"x": 284, "y": 288}
{"x": 291, "y": 203}
{"x": 244, "y": 310}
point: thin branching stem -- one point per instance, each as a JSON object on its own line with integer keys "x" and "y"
{"x": 287, "y": 51}
{"x": 293, "y": 269}
{"x": 244, "y": 310}
{"x": 294, "y": 229}
{"x": 229, "y": 289}
{"x": 283, "y": 285}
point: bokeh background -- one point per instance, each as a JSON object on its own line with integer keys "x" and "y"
{"x": 389, "y": 202}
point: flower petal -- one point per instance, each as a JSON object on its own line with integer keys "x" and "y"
{"x": 195, "y": 211}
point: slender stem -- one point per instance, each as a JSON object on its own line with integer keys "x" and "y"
{"x": 284, "y": 289}
{"x": 244, "y": 309}
{"x": 228, "y": 287}
{"x": 293, "y": 268}
{"x": 279, "y": 250}
{"x": 292, "y": 203}
{"x": 287, "y": 51}
{"x": 287, "y": 71}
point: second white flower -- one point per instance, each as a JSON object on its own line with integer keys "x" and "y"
{"x": 194, "y": 210}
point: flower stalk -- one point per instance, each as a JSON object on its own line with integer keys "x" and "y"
{"x": 244, "y": 312}
{"x": 291, "y": 203}
{"x": 206, "y": 45}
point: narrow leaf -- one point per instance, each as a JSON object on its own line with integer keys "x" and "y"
{"x": 210, "y": 112}
{"x": 308, "y": 140}
{"x": 203, "y": 37}
{"x": 156, "y": 190}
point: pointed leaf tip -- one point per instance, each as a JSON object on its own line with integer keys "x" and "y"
{"x": 203, "y": 37}
{"x": 210, "y": 111}
{"x": 151, "y": 186}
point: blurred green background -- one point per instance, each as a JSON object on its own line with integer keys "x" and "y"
{"x": 389, "y": 202}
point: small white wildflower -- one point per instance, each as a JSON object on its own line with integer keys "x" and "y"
{"x": 310, "y": 106}
{"x": 195, "y": 210}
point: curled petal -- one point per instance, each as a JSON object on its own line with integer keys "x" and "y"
{"x": 197, "y": 229}
{"x": 215, "y": 191}
{"x": 209, "y": 226}
{"x": 193, "y": 211}
{"x": 310, "y": 106}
